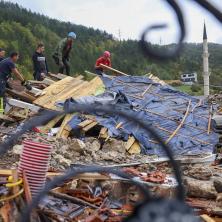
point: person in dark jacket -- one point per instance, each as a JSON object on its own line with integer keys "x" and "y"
{"x": 2, "y": 54}
{"x": 7, "y": 67}
{"x": 62, "y": 53}
{"x": 39, "y": 63}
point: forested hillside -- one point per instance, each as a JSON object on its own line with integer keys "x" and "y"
{"x": 21, "y": 30}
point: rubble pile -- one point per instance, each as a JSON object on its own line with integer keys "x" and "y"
{"x": 80, "y": 140}
{"x": 72, "y": 151}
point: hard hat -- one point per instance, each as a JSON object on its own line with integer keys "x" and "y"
{"x": 72, "y": 35}
{"x": 107, "y": 54}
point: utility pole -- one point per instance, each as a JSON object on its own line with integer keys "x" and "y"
{"x": 206, "y": 74}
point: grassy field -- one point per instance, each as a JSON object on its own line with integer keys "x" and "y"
{"x": 187, "y": 89}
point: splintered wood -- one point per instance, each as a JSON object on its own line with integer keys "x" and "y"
{"x": 65, "y": 129}
{"x": 67, "y": 88}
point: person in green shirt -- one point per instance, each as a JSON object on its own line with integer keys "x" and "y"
{"x": 62, "y": 53}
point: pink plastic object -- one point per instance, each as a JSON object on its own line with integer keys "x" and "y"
{"x": 35, "y": 161}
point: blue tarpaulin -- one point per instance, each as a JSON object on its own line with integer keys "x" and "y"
{"x": 159, "y": 105}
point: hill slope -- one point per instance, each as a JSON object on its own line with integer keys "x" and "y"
{"x": 21, "y": 30}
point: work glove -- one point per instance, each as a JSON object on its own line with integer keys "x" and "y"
{"x": 27, "y": 85}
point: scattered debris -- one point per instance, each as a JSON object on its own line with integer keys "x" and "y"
{"x": 79, "y": 140}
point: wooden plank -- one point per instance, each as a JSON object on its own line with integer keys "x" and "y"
{"x": 130, "y": 142}
{"x": 66, "y": 131}
{"x": 15, "y": 178}
{"x": 36, "y": 92}
{"x": 172, "y": 119}
{"x": 47, "y": 81}
{"x": 157, "y": 80}
{"x": 103, "y": 133}
{"x": 51, "y": 124}
{"x": 6, "y": 211}
{"x": 210, "y": 119}
{"x": 117, "y": 127}
{"x": 68, "y": 93}
{"x": 58, "y": 76}
{"x": 67, "y": 88}
{"x": 21, "y": 95}
{"x": 79, "y": 77}
{"x": 24, "y": 105}
{"x": 182, "y": 135}
{"x": 103, "y": 130}
{"x": 90, "y": 126}
{"x": 28, "y": 195}
{"x": 148, "y": 88}
{"x": 83, "y": 176}
{"x": 19, "y": 112}
{"x": 206, "y": 218}
{"x": 6, "y": 118}
{"x": 61, "y": 132}
{"x": 85, "y": 123}
{"x": 73, "y": 199}
{"x": 62, "y": 84}
{"x": 5, "y": 172}
{"x": 181, "y": 123}
{"x": 135, "y": 148}
{"x": 56, "y": 92}
{"x": 114, "y": 70}
{"x": 90, "y": 89}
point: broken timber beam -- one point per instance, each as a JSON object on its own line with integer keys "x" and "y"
{"x": 103, "y": 133}
{"x": 6, "y": 118}
{"x": 90, "y": 126}
{"x": 28, "y": 195}
{"x": 135, "y": 148}
{"x": 172, "y": 119}
{"x": 73, "y": 199}
{"x": 181, "y": 123}
{"x": 48, "y": 81}
{"x": 148, "y": 88}
{"x": 210, "y": 119}
{"x": 85, "y": 123}
{"x": 21, "y": 95}
{"x": 24, "y": 105}
{"x": 119, "y": 125}
{"x": 51, "y": 124}
{"x": 36, "y": 92}
{"x": 206, "y": 218}
{"x": 65, "y": 129}
{"x": 114, "y": 70}
{"x": 58, "y": 76}
{"x": 130, "y": 142}
{"x": 179, "y": 134}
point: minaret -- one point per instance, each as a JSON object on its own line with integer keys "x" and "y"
{"x": 206, "y": 73}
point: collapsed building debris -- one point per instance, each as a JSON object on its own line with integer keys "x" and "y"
{"x": 78, "y": 140}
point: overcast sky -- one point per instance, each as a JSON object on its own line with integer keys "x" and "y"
{"x": 131, "y": 17}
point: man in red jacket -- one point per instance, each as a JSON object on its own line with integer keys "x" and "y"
{"x": 105, "y": 60}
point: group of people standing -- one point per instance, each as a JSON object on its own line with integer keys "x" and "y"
{"x": 61, "y": 57}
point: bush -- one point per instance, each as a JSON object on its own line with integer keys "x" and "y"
{"x": 176, "y": 83}
{"x": 195, "y": 88}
